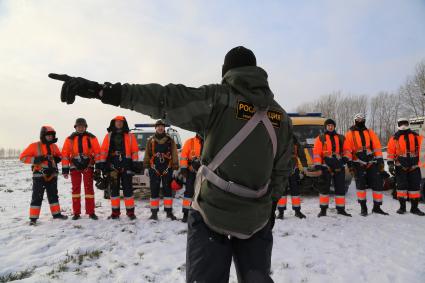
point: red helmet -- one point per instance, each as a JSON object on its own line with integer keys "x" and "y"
{"x": 176, "y": 186}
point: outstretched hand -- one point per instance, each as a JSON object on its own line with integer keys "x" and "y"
{"x": 76, "y": 86}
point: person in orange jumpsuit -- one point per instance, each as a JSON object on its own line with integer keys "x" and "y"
{"x": 80, "y": 152}
{"x": 44, "y": 157}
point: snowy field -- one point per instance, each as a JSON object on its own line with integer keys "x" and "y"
{"x": 332, "y": 249}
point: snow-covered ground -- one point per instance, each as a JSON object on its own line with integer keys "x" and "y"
{"x": 332, "y": 249}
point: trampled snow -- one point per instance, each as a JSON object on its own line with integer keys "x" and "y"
{"x": 330, "y": 249}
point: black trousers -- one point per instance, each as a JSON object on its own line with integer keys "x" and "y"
{"x": 408, "y": 180}
{"x": 209, "y": 254}
{"x": 155, "y": 185}
{"x": 368, "y": 177}
{"x": 39, "y": 185}
{"x": 124, "y": 180}
{"x": 324, "y": 182}
{"x": 189, "y": 188}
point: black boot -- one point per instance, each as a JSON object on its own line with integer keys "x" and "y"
{"x": 402, "y": 209}
{"x": 154, "y": 215}
{"x": 185, "y": 214}
{"x": 414, "y": 208}
{"x": 363, "y": 208}
{"x": 60, "y": 216}
{"x": 341, "y": 211}
{"x": 377, "y": 209}
{"x": 33, "y": 221}
{"x": 114, "y": 217}
{"x": 76, "y": 217}
{"x": 132, "y": 216}
{"x": 280, "y": 214}
{"x": 322, "y": 211}
{"x": 171, "y": 215}
{"x": 93, "y": 216}
{"x": 298, "y": 213}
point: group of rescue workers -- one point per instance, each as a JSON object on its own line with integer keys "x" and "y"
{"x": 360, "y": 150}
{"x": 85, "y": 160}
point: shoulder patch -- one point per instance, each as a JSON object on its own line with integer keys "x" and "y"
{"x": 245, "y": 110}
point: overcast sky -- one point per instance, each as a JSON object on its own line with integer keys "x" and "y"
{"x": 309, "y": 48}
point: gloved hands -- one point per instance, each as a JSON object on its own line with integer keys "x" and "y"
{"x": 76, "y": 86}
{"x": 391, "y": 167}
{"x": 39, "y": 159}
{"x": 97, "y": 175}
{"x": 137, "y": 167}
{"x": 65, "y": 171}
{"x": 380, "y": 164}
{"x": 57, "y": 159}
{"x": 184, "y": 172}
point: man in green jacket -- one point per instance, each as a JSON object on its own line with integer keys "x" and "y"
{"x": 240, "y": 182}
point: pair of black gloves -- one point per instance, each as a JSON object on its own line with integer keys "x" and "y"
{"x": 136, "y": 167}
{"x": 76, "y": 86}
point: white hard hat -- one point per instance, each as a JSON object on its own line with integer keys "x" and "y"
{"x": 359, "y": 116}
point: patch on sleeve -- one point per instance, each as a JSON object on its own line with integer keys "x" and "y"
{"x": 245, "y": 111}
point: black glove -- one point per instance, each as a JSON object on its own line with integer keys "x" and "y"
{"x": 97, "y": 175}
{"x": 137, "y": 167}
{"x": 391, "y": 167}
{"x": 99, "y": 166}
{"x": 57, "y": 159}
{"x": 39, "y": 159}
{"x": 65, "y": 171}
{"x": 76, "y": 86}
{"x": 380, "y": 164}
{"x": 273, "y": 214}
{"x": 184, "y": 172}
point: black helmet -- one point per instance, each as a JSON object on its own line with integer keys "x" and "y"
{"x": 47, "y": 130}
{"x": 160, "y": 123}
{"x": 80, "y": 122}
{"x": 330, "y": 122}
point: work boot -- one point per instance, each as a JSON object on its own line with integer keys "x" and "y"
{"x": 280, "y": 215}
{"x": 60, "y": 216}
{"x": 377, "y": 209}
{"x": 402, "y": 209}
{"x": 76, "y": 217}
{"x": 322, "y": 212}
{"x": 184, "y": 219}
{"x": 171, "y": 215}
{"x": 132, "y": 216}
{"x": 114, "y": 216}
{"x": 154, "y": 215}
{"x": 33, "y": 221}
{"x": 414, "y": 208}
{"x": 93, "y": 216}
{"x": 299, "y": 214}
{"x": 341, "y": 211}
{"x": 363, "y": 207}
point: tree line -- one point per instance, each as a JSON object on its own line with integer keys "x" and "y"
{"x": 382, "y": 110}
{"x": 6, "y": 153}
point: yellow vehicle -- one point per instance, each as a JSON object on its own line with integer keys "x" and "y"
{"x": 306, "y": 127}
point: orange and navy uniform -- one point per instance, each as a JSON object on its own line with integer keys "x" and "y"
{"x": 363, "y": 149}
{"x": 328, "y": 154}
{"x": 299, "y": 159}
{"x": 44, "y": 158}
{"x": 118, "y": 158}
{"x": 190, "y": 154}
{"x": 403, "y": 151}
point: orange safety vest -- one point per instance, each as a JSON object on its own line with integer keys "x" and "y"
{"x": 398, "y": 147}
{"x": 191, "y": 150}
{"x": 40, "y": 149}
{"x": 130, "y": 144}
{"x": 323, "y": 147}
{"x": 365, "y": 141}
{"x": 90, "y": 149}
